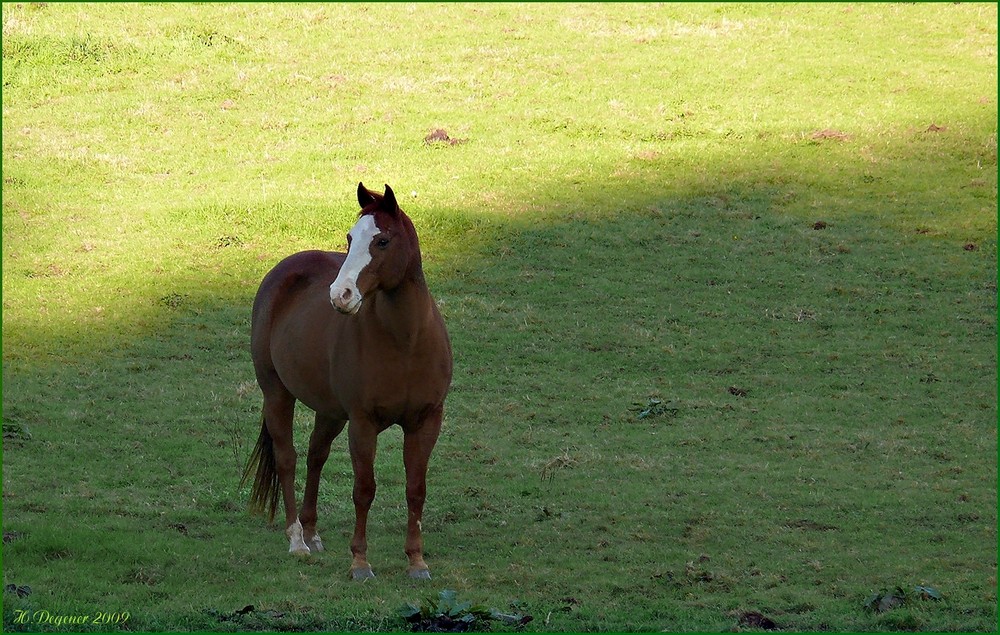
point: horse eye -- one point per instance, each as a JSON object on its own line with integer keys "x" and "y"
{"x": 382, "y": 243}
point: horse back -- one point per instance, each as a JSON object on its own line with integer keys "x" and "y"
{"x": 288, "y": 279}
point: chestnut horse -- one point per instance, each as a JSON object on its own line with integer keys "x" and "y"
{"x": 378, "y": 356}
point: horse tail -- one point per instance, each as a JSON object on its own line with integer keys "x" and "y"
{"x": 264, "y": 493}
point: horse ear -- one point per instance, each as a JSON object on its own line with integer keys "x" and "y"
{"x": 389, "y": 200}
{"x": 365, "y": 197}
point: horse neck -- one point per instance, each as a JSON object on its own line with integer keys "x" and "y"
{"x": 405, "y": 311}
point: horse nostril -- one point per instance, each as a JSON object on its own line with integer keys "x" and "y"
{"x": 346, "y": 295}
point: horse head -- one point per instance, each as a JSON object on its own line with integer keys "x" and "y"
{"x": 382, "y": 251}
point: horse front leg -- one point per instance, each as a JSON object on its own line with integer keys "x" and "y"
{"x": 417, "y": 447}
{"x": 363, "y": 439}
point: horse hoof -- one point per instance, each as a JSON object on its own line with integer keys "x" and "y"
{"x": 360, "y": 575}
{"x": 420, "y": 574}
{"x": 296, "y": 545}
{"x": 316, "y": 544}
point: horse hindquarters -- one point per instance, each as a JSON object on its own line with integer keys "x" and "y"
{"x": 279, "y": 296}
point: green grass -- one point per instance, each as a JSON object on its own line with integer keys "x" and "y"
{"x": 778, "y": 220}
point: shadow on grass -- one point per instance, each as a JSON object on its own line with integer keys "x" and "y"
{"x": 651, "y": 272}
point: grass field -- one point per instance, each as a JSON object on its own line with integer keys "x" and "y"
{"x": 720, "y": 281}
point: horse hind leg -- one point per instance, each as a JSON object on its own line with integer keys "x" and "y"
{"x": 323, "y": 434}
{"x": 279, "y": 410}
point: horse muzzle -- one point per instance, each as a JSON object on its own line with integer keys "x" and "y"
{"x": 346, "y": 301}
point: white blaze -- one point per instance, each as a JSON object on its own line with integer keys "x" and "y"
{"x": 344, "y": 294}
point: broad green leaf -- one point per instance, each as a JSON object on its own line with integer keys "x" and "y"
{"x": 928, "y": 593}
{"x": 409, "y": 611}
